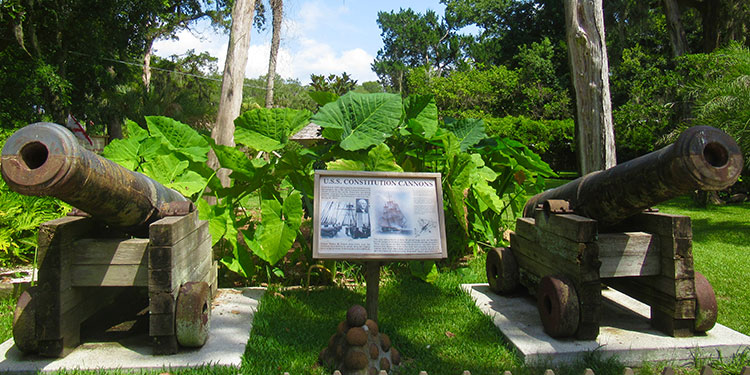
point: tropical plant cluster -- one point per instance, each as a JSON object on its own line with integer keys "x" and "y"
{"x": 258, "y": 218}
{"x": 492, "y": 60}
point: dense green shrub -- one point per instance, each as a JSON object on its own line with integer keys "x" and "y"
{"x": 553, "y": 140}
{"x": 722, "y": 92}
{"x": 645, "y": 102}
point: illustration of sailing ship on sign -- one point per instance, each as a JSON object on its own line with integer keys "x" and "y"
{"x": 353, "y": 217}
{"x": 392, "y": 219}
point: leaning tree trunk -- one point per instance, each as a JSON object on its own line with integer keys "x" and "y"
{"x": 584, "y": 22}
{"x": 230, "y": 101}
{"x": 277, "y": 7}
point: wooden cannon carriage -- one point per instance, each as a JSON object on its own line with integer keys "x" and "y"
{"x": 598, "y": 230}
{"x": 135, "y": 235}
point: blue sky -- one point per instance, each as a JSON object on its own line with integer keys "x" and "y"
{"x": 318, "y": 36}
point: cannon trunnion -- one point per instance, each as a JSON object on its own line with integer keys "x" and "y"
{"x": 143, "y": 249}
{"x": 597, "y": 230}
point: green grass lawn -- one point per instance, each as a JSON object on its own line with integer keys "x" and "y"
{"x": 437, "y": 327}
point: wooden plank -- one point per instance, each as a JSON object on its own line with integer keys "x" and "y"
{"x": 110, "y": 251}
{"x": 167, "y": 279}
{"x": 167, "y": 256}
{"x": 110, "y": 275}
{"x": 65, "y": 229}
{"x": 164, "y": 345}
{"x": 573, "y": 227}
{"x": 678, "y": 226}
{"x": 628, "y": 254}
{"x": 640, "y": 289}
{"x": 561, "y": 246}
{"x": 671, "y": 247}
{"x": 170, "y": 230}
{"x": 541, "y": 262}
{"x": 161, "y": 302}
{"x": 161, "y": 324}
{"x": 672, "y": 326}
{"x": 196, "y": 267}
{"x": 679, "y": 268}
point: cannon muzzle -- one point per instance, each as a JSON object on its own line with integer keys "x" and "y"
{"x": 45, "y": 159}
{"x": 702, "y": 158}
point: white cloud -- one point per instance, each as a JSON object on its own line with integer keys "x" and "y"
{"x": 314, "y": 57}
{"x": 299, "y": 55}
{"x": 207, "y": 41}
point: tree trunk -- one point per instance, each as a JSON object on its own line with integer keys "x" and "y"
{"x": 230, "y": 101}
{"x": 584, "y": 21}
{"x": 674, "y": 25}
{"x": 146, "y": 76}
{"x": 277, "y": 6}
{"x": 710, "y": 21}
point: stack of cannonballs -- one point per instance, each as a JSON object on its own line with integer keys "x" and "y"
{"x": 357, "y": 348}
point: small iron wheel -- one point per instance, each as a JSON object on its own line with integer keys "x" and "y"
{"x": 557, "y": 302}
{"x": 706, "y": 309}
{"x": 24, "y": 321}
{"x": 502, "y": 270}
{"x": 193, "y": 314}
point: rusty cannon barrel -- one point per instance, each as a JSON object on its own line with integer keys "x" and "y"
{"x": 702, "y": 158}
{"x": 46, "y": 159}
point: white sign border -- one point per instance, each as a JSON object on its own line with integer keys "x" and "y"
{"x": 379, "y": 256}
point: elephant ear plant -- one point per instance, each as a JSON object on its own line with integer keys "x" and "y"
{"x": 257, "y": 219}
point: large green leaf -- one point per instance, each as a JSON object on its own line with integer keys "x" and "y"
{"x": 323, "y": 97}
{"x": 164, "y": 168}
{"x": 123, "y": 152}
{"x": 236, "y": 160}
{"x": 267, "y": 129}
{"x": 468, "y": 131}
{"x": 188, "y": 183}
{"x": 179, "y": 137}
{"x": 135, "y": 131}
{"x": 359, "y": 121}
{"x": 279, "y": 227}
{"x": 379, "y": 159}
{"x": 421, "y": 115}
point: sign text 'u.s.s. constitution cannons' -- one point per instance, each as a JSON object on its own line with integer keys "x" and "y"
{"x": 599, "y": 229}
{"x": 138, "y": 246}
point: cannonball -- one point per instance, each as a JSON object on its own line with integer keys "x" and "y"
{"x": 339, "y": 350}
{"x": 385, "y": 342}
{"x": 385, "y": 364}
{"x": 356, "y": 336}
{"x": 355, "y": 360}
{"x": 342, "y": 328}
{"x": 372, "y": 327}
{"x": 356, "y": 316}
{"x": 332, "y": 340}
{"x": 395, "y": 356}
{"x": 374, "y": 351}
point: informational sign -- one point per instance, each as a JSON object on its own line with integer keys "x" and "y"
{"x": 378, "y": 216}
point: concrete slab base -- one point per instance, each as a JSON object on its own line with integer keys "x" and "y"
{"x": 625, "y": 333}
{"x": 231, "y": 321}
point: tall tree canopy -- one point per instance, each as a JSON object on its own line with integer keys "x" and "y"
{"x": 412, "y": 39}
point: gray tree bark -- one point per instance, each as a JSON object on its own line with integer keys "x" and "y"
{"x": 230, "y": 101}
{"x": 277, "y": 7}
{"x": 674, "y": 25}
{"x": 584, "y": 22}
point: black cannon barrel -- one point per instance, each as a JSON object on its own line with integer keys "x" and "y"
{"x": 703, "y": 158}
{"x": 46, "y": 159}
